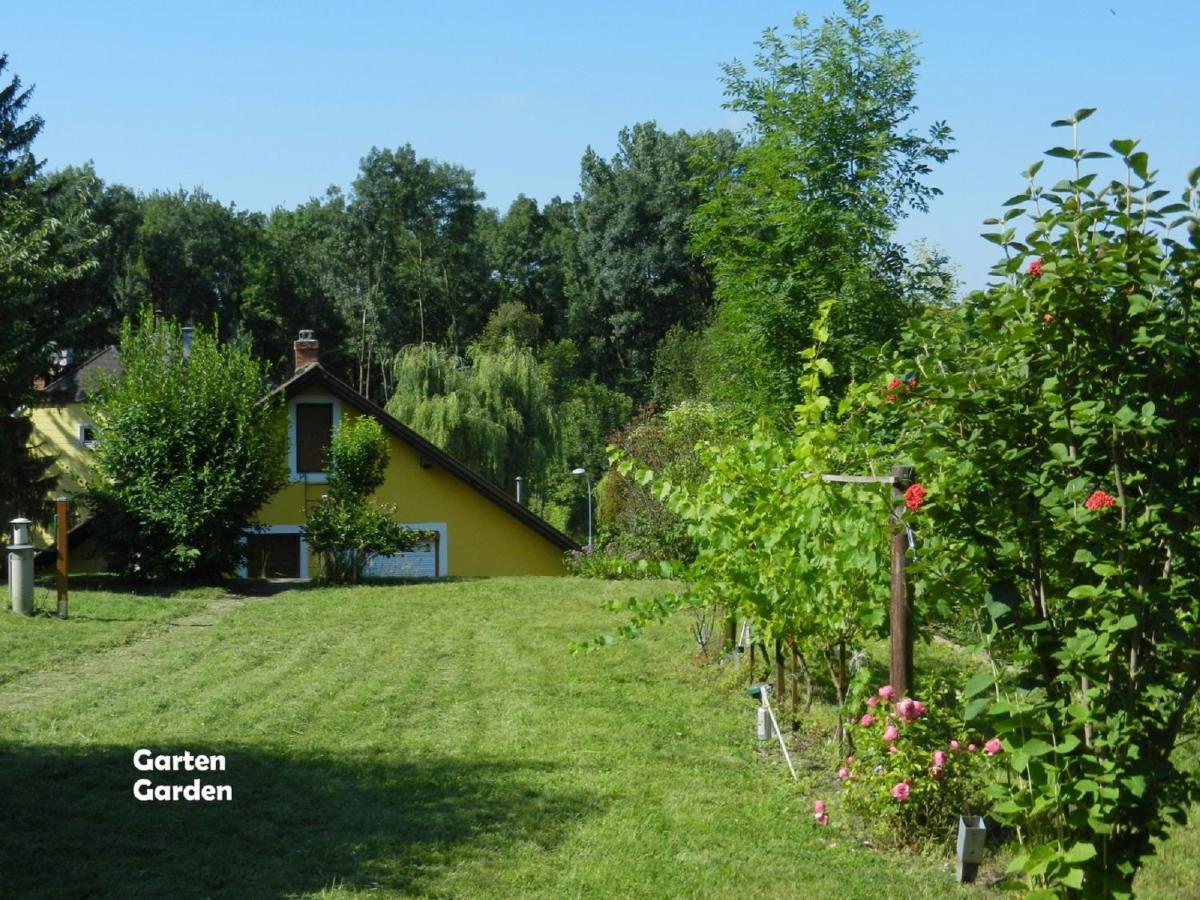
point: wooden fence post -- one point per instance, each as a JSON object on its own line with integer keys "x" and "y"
{"x": 780, "y": 676}
{"x": 63, "y": 527}
{"x": 901, "y": 605}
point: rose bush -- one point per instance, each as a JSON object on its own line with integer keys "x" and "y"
{"x": 911, "y": 775}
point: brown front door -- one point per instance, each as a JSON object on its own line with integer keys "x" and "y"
{"x": 273, "y": 555}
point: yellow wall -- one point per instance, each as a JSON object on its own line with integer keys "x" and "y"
{"x": 56, "y": 434}
{"x": 481, "y": 537}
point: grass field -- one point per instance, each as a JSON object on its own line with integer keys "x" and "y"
{"x": 434, "y": 740}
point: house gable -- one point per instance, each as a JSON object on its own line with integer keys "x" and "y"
{"x": 485, "y": 531}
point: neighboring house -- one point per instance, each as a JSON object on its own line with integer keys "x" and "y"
{"x": 62, "y": 429}
{"x": 480, "y": 529}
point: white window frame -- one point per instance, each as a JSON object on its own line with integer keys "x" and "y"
{"x": 442, "y": 543}
{"x": 310, "y": 477}
{"x": 243, "y": 569}
{"x": 83, "y": 442}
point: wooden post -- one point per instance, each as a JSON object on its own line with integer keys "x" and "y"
{"x": 730, "y": 631}
{"x": 62, "y": 522}
{"x": 780, "y": 682}
{"x": 795, "y": 687}
{"x": 901, "y": 605}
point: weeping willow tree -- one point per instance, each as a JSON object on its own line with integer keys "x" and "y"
{"x": 491, "y": 409}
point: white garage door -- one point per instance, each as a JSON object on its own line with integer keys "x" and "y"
{"x": 419, "y": 562}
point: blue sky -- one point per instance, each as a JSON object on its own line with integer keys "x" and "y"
{"x": 268, "y": 104}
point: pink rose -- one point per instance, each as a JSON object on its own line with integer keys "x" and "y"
{"x": 843, "y": 773}
{"x": 956, "y": 746}
{"x": 872, "y": 702}
{"x": 892, "y": 748}
{"x": 939, "y": 758}
{"x": 992, "y": 747}
{"x": 821, "y": 819}
{"x": 906, "y": 709}
{"x": 971, "y": 748}
{"x": 867, "y": 720}
{"x": 818, "y": 807}
{"x": 849, "y": 760}
{"x": 920, "y": 708}
{"x": 887, "y": 692}
{"x": 900, "y": 791}
{"x": 891, "y": 733}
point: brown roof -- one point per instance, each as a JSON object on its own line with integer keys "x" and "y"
{"x": 316, "y": 374}
{"x": 75, "y": 385}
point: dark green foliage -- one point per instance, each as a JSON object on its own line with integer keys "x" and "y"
{"x": 40, "y": 249}
{"x": 510, "y": 321}
{"x": 346, "y": 528}
{"x": 413, "y": 232}
{"x": 629, "y": 511}
{"x": 637, "y": 274}
{"x": 680, "y": 360}
{"x": 807, "y": 212}
{"x": 187, "y": 258}
{"x": 531, "y": 255}
{"x": 18, "y": 165}
{"x": 189, "y": 451}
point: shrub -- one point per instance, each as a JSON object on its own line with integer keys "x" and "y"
{"x": 902, "y": 742}
{"x": 1055, "y": 428}
{"x": 188, "y": 452}
{"x": 346, "y": 529}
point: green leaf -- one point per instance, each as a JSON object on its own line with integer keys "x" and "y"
{"x": 1080, "y": 853}
{"x": 1084, "y": 592}
{"x": 1035, "y": 747}
{"x": 975, "y": 707}
{"x": 1123, "y": 146}
{"x": 1073, "y": 879}
{"x": 1140, "y": 162}
{"x": 1061, "y": 152}
{"x": 1081, "y": 114}
{"x": 979, "y": 682}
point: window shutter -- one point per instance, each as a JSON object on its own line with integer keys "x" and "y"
{"x": 314, "y": 425}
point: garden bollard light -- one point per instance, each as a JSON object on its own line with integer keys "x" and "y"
{"x": 972, "y": 830}
{"x": 20, "y": 568}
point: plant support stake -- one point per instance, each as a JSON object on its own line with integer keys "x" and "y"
{"x": 900, "y": 613}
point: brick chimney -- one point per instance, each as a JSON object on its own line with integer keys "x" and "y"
{"x": 308, "y": 350}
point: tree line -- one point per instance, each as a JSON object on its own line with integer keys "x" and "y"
{"x": 687, "y": 266}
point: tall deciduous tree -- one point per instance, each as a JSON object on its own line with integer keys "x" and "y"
{"x": 637, "y": 274}
{"x": 808, "y": 212}
{"x": 419, "y": 266}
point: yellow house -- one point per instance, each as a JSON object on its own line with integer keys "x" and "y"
{"x": 480, "y": 530}
{"x": 62, "y": 429}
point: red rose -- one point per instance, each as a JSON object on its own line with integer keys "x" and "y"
{"x": 914, "y": 496}
{"x": 1099, "y": 500}
{"x": 1035, "y": 268}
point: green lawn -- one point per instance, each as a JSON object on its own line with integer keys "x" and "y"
{"x": 434, "y": 740}
{"x": 97, "y": 620}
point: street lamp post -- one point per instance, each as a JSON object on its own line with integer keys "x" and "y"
{"x": 584, "y": 472}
